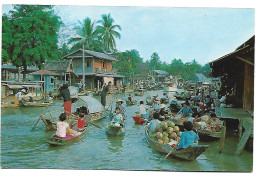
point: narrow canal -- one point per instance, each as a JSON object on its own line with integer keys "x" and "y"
{"x": 23, "y": 148}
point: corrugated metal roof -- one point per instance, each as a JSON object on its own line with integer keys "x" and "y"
{"x": 202, "y": 78}
{"x": 161, "y": 72}
{"x": 93, "y": 53}
{"x": 43, "y": 72}
{"x": 57, "y": 66}
{"x": 11, "y": 67}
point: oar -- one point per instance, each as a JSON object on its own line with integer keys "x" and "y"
{"x": 36, "y": 124}
{"x": 168, "y": 154}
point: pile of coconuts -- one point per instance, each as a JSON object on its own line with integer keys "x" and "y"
{"x": 166, "y": 132}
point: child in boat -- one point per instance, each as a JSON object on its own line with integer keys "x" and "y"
{"x": 120, "y": 106}
{"x": 81, "y": 122}
{"x": 117, "y": 117}
{"x": 130, "y": 99}
{"x": 142, "y": 110}
{"x": 188, "y": 137}
{"x": 63, "y": 128}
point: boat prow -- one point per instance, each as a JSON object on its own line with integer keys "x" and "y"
{"x": 114, "y": 130}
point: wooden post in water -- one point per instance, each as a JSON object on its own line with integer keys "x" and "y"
{"x": 222, "y": 139}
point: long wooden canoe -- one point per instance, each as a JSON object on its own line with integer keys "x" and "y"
{"x": 189, "y": 154}
{"x": 207, "y": 135}
{"x": 26, "y": 104}
{"x": 138, "y": 119}
{"x": 56, "y": 141}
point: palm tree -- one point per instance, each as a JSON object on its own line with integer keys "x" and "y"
{"x": 86, "y": 35}
{"x": 107, "y": 32}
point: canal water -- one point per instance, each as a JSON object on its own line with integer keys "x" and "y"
{"x": 23, "y": 148}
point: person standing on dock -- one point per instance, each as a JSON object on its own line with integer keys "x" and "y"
{"x": 106, "y": 89}
{"x": 65, "y": 94}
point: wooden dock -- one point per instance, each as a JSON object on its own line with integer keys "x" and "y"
{"x": 245, "y": 121}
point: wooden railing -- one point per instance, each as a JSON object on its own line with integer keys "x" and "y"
{"x": 104, "y": 70}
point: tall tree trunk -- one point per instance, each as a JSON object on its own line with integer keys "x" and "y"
{"x": 24, "y": 72}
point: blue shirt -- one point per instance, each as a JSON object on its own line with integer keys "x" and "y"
{"x": 121, "y": 108}
{"x": 185, "y": 111}
{"x": 187, "y": 138}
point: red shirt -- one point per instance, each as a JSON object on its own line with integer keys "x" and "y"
{"x": 81, "y": 123}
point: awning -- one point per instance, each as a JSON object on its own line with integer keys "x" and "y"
{"x": 16, "y": 86}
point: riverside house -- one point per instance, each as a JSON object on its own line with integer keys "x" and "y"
{"x": 98, "y": 68}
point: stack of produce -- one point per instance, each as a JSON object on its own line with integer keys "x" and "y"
{"x": 166, "y": 133}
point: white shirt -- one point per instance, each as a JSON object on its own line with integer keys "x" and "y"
{"x": 19, "y": 96}
{"x": 142, "y": 109}
{"x": 61, "y": 129}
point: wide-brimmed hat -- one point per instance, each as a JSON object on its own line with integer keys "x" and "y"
{"x": 162, "y": 106}
{"x": 23, "y": 90}
{"x": 120, "y": 100}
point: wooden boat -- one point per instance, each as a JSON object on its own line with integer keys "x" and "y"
{"x": 57, "y": 141}
{"x": 138, "y": 120}
{"x": 139, "y": 92}
{"x": 26, "y": 104}
{"x": 95, "y": 111}
{"x": 149, "y": 102}
{"x": 207, "y": 135}
{"x": 115, "y": 130}
{"x": 189, "y": 154}
{"x": 128, "y": 103}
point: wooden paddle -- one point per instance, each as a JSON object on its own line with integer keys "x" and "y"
{"x": 36, "y": 124}
{"x": 95, "y": 125}
{"x": 168, "y": 153}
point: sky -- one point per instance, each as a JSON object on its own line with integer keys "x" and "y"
{"x": 204, "y": 34}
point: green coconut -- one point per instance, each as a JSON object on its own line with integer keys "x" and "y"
{"x": 171, "y": 124}
{"x": 179, "y": 133}
{"x": 166, "y": 140}
{"x": 177, "y": 129}
{"x": 178, "y": 139}
{"x": 155, "y": 130}
{"x": 173, "y": 136}
{"x": 160, "y": 141}
{"x": 160, "y": 130}
{"x": 159, "y": 135}
{"x": 164, "y": 126}
{"x": 169, "y": 130}
{"x": 165, "y": 134}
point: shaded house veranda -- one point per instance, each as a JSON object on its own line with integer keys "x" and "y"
{"x": 236, "y": 71}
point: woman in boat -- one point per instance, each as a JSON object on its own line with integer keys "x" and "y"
{"x": 118, "y": 118}
{"x": 63, "y": 128}
{"x": 153, "y": 123}
{"x": 214, "y": 124}
{"x": 164, "y": 98}
{"x": 174, "y": 106}
{"x": 143, "y": 110}
{"x": 185, "y": 111}
{"x": 188, "y": 137}
{"x": 65, "y": 94}
{"x": 106, "y": 89}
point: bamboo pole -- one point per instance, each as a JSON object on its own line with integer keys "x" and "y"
{"x": 222, "y": 138}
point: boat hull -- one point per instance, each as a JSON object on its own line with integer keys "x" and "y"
{"x": 138, "y": 119}
{"x": 113, "y": 130}
{"x": 189, "y": 154}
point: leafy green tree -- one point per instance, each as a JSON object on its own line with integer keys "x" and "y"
{"x": 154, "y": 62}
{"x": 35, "y": 35}
{"x": 107, "y": 32}
{"x": 64, "y": 50}
{"x": 87, "y": 36}
{"x": 126, "y": 64}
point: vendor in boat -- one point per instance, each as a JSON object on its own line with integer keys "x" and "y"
{"x": 213, "y": 124}
{"x": 163, "y": 111}
{"x": 155, "y": 104}
{"x": 174, "y": 106}
{"x": 65, "y": 94}
{"x": 106, "y": 89}
{"x": 63, "y": 128}
{"x": 130, "y": 99}
{"x": 164, "y": 98}
{"x": 152, "y": 124}
{"x": 188, "y": 137}
{"x": 185, "y": 111}
{"x": 120, "y": 106}
{"x": 143, "y": 110}
{"x": 118, "y": 118}
{"x": 196, "y": 121}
